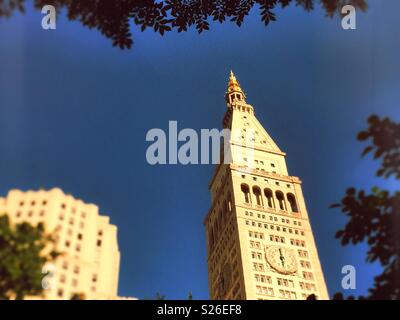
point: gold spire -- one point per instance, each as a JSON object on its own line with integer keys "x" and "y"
{"x": 234, "y": 92}
{"x": 233, "y": 84}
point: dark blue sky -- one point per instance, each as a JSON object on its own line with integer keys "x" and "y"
{"x": 74, "y": 112}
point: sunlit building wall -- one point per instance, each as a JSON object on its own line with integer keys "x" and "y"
{"x": 90, "y": 258}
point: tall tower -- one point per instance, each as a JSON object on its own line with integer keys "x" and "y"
{"x": 259, "y": 239}
{"x": 89, "y": 260}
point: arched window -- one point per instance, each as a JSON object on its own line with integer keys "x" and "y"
{"x": 246, "y": 193}
{"x": 292, "y": 201}
{"x": 232, "y": 97}
{"x": 270, "y": 198}
{"x": 281, "y": 200}
{"x": 257, "y": 194}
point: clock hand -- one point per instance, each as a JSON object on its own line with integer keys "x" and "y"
{"x": 282, "y": 257}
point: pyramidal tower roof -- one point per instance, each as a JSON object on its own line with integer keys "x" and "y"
{"x": 241, "y": 120}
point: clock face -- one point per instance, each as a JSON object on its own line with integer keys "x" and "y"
{"x": 281, "y": 259}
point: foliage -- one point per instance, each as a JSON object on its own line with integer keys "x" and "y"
{"x": 385, "y": 135}
{"x": 113, "y": 18}
{"x": 159, "y": 296}
{"x": 23, "y": 253}
{"x": 375, "y": 217}
{"x": 78, "y": 296}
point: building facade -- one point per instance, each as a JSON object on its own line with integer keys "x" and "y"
{"x": 259, "y": 239}
{"x": 90, "y": 258}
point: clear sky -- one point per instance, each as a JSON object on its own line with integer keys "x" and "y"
{"x": 74, "y": 113}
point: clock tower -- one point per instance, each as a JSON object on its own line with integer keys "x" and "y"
{"x": 260, "y": 243}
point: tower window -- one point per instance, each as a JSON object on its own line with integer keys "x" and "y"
{"x": 246, "y": 193}
{"x": 270, "y": 198}
{"x": 292, "y": 201}
{"x": 281, "y": 200}
{"x": 257, "y": 194}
